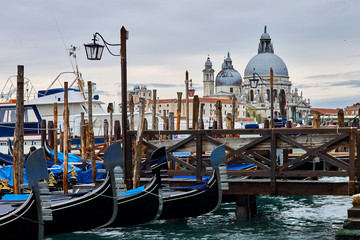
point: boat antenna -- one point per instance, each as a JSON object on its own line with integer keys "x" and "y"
{"x": 62, "y": 38}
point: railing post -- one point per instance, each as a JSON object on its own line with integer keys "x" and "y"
{"x": 198, "y": 156}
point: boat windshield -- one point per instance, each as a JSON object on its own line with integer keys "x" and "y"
{"x": 8, "y": 115}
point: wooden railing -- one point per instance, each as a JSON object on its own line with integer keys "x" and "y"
{"x": 277, "y": 153}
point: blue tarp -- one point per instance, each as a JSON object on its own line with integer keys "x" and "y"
{"x": 82, "y": 177}
{"x": 134, "y": 191}
{"x": 72, "y": 158}
{"x": 239, "y": 166}
{"x": 15, "y": 197}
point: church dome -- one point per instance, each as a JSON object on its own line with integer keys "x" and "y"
{"x": 266, "y": 59}
{"x": 228, "y": 76}
{"x": 261, "y": 64}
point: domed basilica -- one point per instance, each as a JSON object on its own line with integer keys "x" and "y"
{"x": 229, "y": 83}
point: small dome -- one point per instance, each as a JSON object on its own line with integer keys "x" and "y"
{"x": 265, "y": 36}
{"x": 136, "y": 87}
{"x": 208, "y": 62}
{"x": 261, "y": 64}
{"x": 228, "y": 75}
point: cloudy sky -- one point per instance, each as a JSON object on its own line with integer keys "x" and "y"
{"x": 319, "y": 41}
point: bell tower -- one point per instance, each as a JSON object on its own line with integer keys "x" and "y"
{"x": 208, "y": 78}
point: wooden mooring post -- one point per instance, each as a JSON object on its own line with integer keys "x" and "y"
{"x": 195, "y": 114}
{"x": 154, "y": 111}
{"x": 18, "y": 162}
{"x": 51, "y": 133}
{"x": 56, "y": 134}
{"x": 66, "y": 137}
{"x": 83, "y": 137}
{"x": 178, "y": 116}
{"x": 43, "y": 132}
{"x": 91, "y": 133}
{"x": 110, "y": 110}
{"x": 138, "y": 152}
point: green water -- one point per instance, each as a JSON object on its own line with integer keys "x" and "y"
{"x": 286, "y": 217}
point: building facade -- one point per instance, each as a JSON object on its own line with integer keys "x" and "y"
{"x": 229, "y": 83}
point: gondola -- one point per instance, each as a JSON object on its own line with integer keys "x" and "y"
{"x": 21, "y": 219}
{"x": 90, "y": 210}
{"x": 144, "y": 204}
{"x": 201, "y": 197}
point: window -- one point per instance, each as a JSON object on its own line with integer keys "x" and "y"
{"x": 231, "y": 90}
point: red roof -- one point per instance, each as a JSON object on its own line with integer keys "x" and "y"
{"x": 323, "y": 111}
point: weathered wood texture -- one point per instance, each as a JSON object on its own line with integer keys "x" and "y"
{"x": 259, "y": 147}
{"x": 18, "y": 163}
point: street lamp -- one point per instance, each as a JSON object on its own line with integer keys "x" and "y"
{"x": 191, "y": 89}
{"x": 94, "y": 52}
{"x": 253, "y": 84}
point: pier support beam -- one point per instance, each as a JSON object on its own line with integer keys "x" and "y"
{"x": 245, "y": 206}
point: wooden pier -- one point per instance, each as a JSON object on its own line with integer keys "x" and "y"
{"x": 276, "y": 169}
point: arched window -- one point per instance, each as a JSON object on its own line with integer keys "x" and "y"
{"x": 267, "y": 95}
{"x": 275, "y": 94}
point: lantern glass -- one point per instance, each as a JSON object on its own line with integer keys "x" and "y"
{"x": 254, "y": 82}
{"x": 94, "y": 51}
{"x": 191, "y": 92}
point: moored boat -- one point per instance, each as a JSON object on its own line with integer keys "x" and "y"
{"x": 144, "y": 204}
{"x": 201, "y": 197}
{"x": 89, "y": 210}
{"x": 24, "y": 219}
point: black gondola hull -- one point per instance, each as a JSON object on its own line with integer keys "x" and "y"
{"x": 141, "y": 207}
{"x": 21, "y": 223}
{"x": 92, "y": 210}
{"x": 192, "y": 203}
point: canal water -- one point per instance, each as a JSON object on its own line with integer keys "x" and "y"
{"x": 279, "y": 217}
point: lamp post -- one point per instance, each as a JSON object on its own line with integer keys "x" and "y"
{"x": 253, "y": 84}
{"x": 94, "y": 52}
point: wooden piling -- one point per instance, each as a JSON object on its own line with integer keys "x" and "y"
{"x": 171, "y": 120}
{"x": 233, "y": 112}
{"x": 110, "y": 110}
{"x": 18, "y": 157}
{"x": 316, "y": 122}
{"x": 341, "y": 118}
{"x": 43, "y": 132}
{"x": 201, "y": 119}
{"x": 219, "y": 114}
{"x": 282, "y": 103}
{"x": 51, "y": 133}
{"x": 106, "y": 132}
{"x": 66, "y": 137}
{"x": 91, "y": 133}
{"x": 178, "y": 116}
{"x": 153, "y": 115}
{"x": 187, "y": 98}
{"x": 195, "y": 118}
{"x": 117, "y": 130}
{"x": 138, "y": 149}
{"x": 83, "y": 137}
{"x": 131, "y": 109}
{"x": 56, "y": 134}
{"x": 165, "y": 127}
